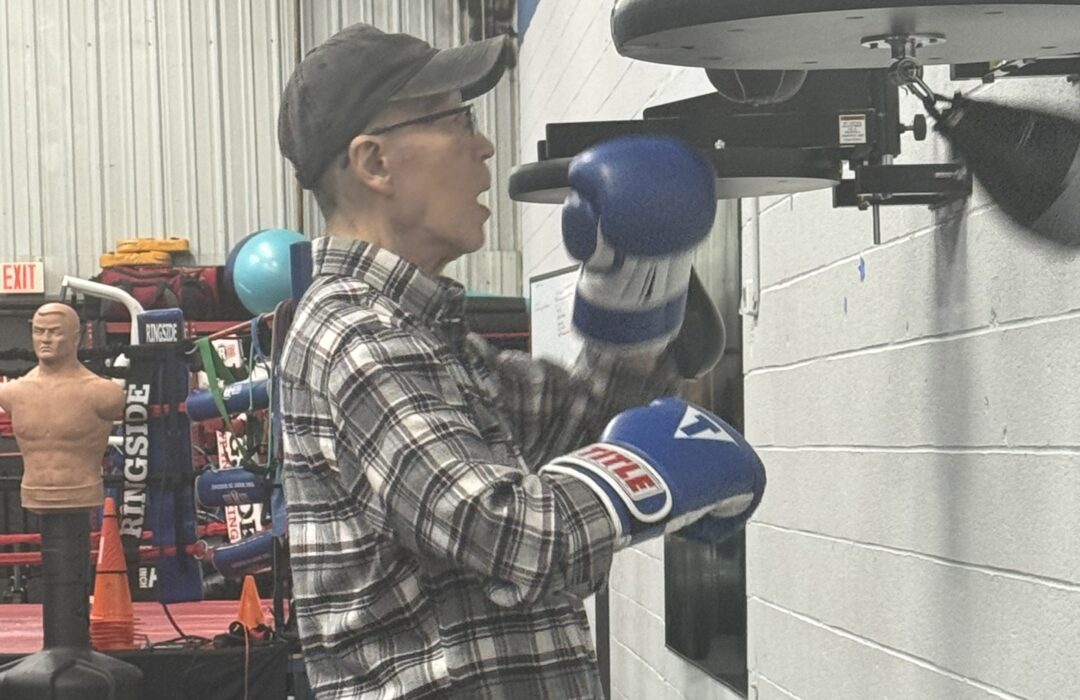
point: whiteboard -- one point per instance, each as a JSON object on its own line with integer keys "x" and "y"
{"x": 551, "y": 298}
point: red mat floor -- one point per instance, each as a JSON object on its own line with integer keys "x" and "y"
{"x": 20, "y": 624}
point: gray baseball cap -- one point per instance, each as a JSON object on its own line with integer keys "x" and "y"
{"x": 344, "y": 82}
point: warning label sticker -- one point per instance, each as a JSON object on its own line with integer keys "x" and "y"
{"x": 852, "y": 129}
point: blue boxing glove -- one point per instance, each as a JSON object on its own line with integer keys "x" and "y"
{"x": 637, "y": 208}
{"x": 661, "y": 467}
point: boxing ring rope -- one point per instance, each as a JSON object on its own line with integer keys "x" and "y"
{"x": 242, "y": 328}
{"x": 210, "y": 530}
{"x": 199, "y": 550}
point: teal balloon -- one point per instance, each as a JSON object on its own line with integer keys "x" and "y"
{"x": 261, "y": 273}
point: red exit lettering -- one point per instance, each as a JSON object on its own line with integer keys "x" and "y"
{"x": 22, "y": 278}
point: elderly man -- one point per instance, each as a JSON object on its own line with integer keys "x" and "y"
{"x": 62, "y": 414}
{"x": 441, "y": 536}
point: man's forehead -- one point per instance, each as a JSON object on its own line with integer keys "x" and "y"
{"x": 418, "y": 106}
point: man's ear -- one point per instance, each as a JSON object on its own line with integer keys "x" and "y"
{"x": 367, "y": 160}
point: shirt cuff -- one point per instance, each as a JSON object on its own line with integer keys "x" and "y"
{"x": 588, "y": 535}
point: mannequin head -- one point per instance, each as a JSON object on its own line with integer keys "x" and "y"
{"x": 55, "y": 334}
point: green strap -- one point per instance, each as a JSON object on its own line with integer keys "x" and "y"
{"x": 215, "y": 367}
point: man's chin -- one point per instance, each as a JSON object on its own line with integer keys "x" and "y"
{"x": 474, "y": 245}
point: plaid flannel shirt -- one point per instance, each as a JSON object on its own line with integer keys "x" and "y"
{"x": 428, "y": 557}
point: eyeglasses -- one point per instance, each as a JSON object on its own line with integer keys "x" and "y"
{"x": 464, "y": 110}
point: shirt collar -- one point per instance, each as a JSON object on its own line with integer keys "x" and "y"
{"x": 432, "y": 300}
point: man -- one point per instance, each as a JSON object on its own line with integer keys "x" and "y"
{"x": 441, "y": 539}
{"x": 62, "y": 414}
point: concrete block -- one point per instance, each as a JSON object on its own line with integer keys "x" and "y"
{"x": 607, "y": 71}
{"x": 1007, "y": 510}
{"x": 652, "y": 548}
{"x": 634, "y": 91}
{"x": 684, "y": 84}
{"x": 796, "y": 657}
{"x": 635, "y": 678}
{"x": 804, "y": 232}
{"x": 984, "y": 273}
{"x": 639, "y": 578}
{"x": 1002, "y": 630}
{"x": 765, "y": 689}
{"x": 1000, "y": 387}
{"x": 637, "y": 628}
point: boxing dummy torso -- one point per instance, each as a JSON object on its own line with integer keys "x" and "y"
{"x": 62, "y": 414}
{"x": 62, "y": 425}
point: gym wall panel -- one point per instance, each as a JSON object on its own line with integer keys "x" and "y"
{"x": 126, "y": 118}
{"x": 914, "y": 405}
{"x": 1005, "y": 632}
{"x": 941, "y": 271}
{"x": 825, "y": 662}
{"x": 1000, "y": 508}
{"x": 981, "y": 389}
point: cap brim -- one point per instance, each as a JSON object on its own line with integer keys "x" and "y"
{"x": 473, "y": 69}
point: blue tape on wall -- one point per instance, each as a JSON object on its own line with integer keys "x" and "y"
{"x": 525, "y": 11}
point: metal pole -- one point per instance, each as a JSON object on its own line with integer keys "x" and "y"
{"x": 65, "y": 561}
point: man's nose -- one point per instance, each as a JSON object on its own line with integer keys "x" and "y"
{"x": 487, "y": 148}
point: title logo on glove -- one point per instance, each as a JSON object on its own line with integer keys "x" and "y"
{"x": 616, "y": 473}
{"x": 634, "y": 477}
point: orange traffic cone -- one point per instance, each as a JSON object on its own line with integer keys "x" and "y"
{"x": 112, "y": 617}
{"x": 250, "y": 613}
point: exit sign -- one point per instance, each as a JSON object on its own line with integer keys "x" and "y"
{"x": 22, "y": 278}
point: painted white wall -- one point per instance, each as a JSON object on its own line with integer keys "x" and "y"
{"x": 915, "y": 404}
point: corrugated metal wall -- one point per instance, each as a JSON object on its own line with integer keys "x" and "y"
{"x": 125, "y": 118}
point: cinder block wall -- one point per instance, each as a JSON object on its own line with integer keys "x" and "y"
{"x": 916, "y": 406}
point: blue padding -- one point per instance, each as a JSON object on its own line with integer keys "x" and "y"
{"x": 229, "y": 487}
{"x": 300, "y": 269}
{"x": 248, "y": 556}
{"x": 279, "y": 515}
{"x": 161, "y": 326}
{"x": 239, "y": 398}
{"x": 170, "y": 499}
{"x": 628, "y": 327}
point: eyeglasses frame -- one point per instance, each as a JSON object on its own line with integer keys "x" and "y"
{"x": 466, "y": 109}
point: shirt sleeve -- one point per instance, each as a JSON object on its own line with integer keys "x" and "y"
{"x": 445, "y": 494}
{"x": 554, "y": 410}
